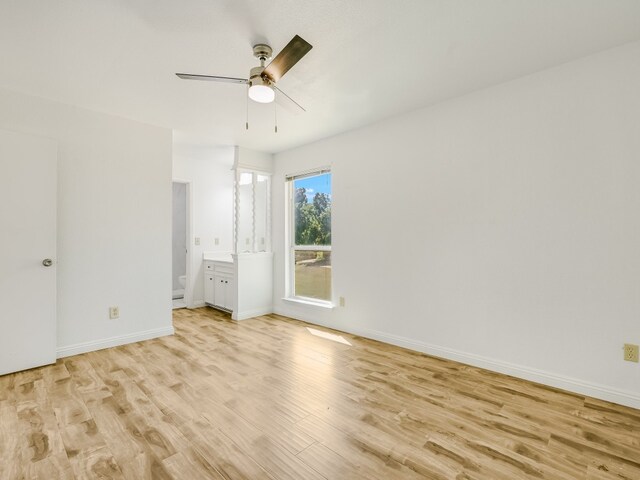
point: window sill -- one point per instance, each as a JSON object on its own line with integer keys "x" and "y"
{"x": 309, "y": 302}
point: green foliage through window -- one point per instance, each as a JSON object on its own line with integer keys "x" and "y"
{"x": 311, "y": 252}
{"x": 312, "y": 219}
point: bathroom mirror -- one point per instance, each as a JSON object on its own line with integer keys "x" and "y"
{"x": 253, "y": 195}
{"x": 244, "y": 212}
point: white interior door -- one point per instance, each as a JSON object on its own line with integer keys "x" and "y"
{"x": 28, "y": 237}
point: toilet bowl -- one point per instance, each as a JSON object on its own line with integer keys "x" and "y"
{"x": 182, "y": 280}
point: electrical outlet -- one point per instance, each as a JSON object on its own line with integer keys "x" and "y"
{"x": 630, "y": 352}
{"x": 216, "y": 241}
{"x": 342, "y": 301}
{"x": 197, "y": 240}
{"x": 114, "y": 312}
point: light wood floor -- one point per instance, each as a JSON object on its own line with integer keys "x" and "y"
{"x": 265, "y": 398}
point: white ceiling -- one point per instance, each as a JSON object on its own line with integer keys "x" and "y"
{"x": 371, "y": 58}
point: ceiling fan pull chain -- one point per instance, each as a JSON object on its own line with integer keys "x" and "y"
{"x": 275, "y": 115}
{"x": 247, "y": 112}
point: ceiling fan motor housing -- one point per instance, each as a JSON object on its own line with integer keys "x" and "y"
{"x": 256, "y": 78}
{"x": 262, "y": 52}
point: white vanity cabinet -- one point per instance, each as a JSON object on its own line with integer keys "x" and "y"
{"x": 219, "y": 284}
{"x": 240, "y": 284}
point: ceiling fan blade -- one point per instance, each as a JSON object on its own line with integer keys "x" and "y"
{"x": 289, "y": 99}
{"x": 211, "y": 78}
{"x": 287, "y": 58}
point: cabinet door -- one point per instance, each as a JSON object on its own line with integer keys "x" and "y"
{"x": 209, "y": 291}
{"x": 219, "y": 291}
{"x": 228, "y": 298}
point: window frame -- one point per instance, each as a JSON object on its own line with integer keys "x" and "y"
{"x": 291, "y": 239}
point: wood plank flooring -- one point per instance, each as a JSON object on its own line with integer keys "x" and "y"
{"x": 267, "y": 399}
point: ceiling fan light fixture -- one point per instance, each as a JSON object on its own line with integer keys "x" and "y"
{"x": 260, "y": 88}
{"x": 262, "y": 93}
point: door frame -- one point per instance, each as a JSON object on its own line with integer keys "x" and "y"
{"x": 188, "y": 286}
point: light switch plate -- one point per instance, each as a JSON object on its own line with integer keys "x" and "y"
{"x": 197, "y": 240}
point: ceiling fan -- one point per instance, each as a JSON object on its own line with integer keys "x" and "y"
{"x": 262, "y": 80}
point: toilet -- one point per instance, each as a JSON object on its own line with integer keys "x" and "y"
{"x": 182, "y": 280}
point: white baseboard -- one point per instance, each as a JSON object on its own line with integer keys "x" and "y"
{"x": 93, "y": 345}
{"x": 603, "y": 392}
{"x": 251, "y": 313}
{"x": 197, "y": 304}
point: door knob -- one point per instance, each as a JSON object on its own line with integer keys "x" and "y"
{"x": 47, "y": 262}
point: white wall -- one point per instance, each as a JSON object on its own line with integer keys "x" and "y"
{"x": 114, "y": 221}
{"x": 252, "y": 159}
{"x": 501, "y": 228}
{"x": 209, "y": 171}
{"x": 179, "y": 234}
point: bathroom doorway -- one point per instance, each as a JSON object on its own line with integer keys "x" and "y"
{"x": 180, "y": 252}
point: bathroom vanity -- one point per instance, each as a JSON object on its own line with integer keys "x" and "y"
{"x": 242, "y": 282}
{"x": 219, "y": 281}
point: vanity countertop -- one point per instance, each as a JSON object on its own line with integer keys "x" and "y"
{"x": 217, "y": 257}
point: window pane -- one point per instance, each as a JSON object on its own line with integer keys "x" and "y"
{"x": 312, "y": 210}
{"x": 313, "y": 274}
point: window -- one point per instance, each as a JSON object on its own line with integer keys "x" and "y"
{"x": 310, "y": 235}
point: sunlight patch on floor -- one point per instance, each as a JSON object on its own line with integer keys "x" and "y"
{"x": 328, "y": 336}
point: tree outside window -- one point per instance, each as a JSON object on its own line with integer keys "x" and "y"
{"x": 311, "y": 244}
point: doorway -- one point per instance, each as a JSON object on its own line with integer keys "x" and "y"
{"x": 180, "y": 252}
